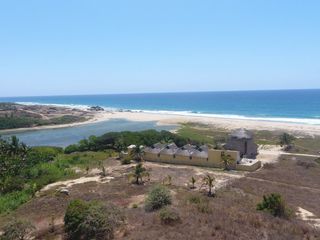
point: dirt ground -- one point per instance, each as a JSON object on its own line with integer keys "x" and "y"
{"x": 230, "y": 215}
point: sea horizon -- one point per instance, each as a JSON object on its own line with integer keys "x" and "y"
{"x": 293, "y": 106}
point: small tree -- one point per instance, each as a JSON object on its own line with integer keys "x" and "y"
{"x": 208, "y": 181}
{"x": 137, "y": 153}
{"x": 286, "y": 140}
{"x": 273, "y": 204}
{"x": 227, "y": 161}
{"x": 158, "y": 197}
{"x": 193, "y": 181}
{"x": 17, "y": 230}
{"x": 103, "y": 172}
{"x": 138, "y": 173}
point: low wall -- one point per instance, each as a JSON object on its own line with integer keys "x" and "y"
{"x": 249, "y": 168}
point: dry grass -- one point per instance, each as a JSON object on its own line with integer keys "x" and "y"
{"x": 231, "y": 215}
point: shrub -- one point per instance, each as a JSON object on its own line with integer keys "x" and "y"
{"x": 158, "y": 197}
{"x": 204, "y": 207}
{"x": 17, "y": 230}
{"x": 274, "y": 204}
{"x": 91, "y": 220}
{"x": 195, "y": 199}
{"x": 126, "y": 160}
{"x": 201, "y": 203}
{"x": 74, "y": 216}
{"x": 168, "y": 216}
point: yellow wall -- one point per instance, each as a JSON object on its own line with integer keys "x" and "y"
{"x": 214, "y": 159}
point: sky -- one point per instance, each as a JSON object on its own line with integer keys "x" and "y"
{"x": 70, "y": 47}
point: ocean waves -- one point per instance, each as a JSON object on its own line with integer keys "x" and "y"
{"x": 309, "y": 121}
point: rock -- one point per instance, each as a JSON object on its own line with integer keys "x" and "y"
{"x": 64, "y": 191}
{"x": 96, "y": 108}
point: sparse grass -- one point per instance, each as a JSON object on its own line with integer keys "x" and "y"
{"x": 169, "y": 216}
{"x": 231, "y": 215}
{"x": 61, "y": 168}
{"x": 84, "y": 159}
{"x": 200, "y": 202}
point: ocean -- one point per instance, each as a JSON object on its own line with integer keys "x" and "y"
{"x": 295, "y": 106}
{"x": 299, "y": 106}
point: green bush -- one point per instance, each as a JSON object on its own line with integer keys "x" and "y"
{"x": 274, "y": 204}
{"x": 11, "y": 201}
{"x": 11, "y": 184}
{"x": 17, "y": 230}
{"x": 168, "y": 216}
{"x": 112, "y": 140}
{"x": 158, "y": 197}
{"x": 91, "y": 220}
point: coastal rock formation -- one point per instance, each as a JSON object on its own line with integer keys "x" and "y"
{"x": 96, "y": 108}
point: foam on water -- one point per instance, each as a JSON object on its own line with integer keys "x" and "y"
{"x": 310, "y": 121}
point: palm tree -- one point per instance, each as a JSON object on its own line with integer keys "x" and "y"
{"x": 227, "y": 161}
{"x": 193, "y": 181}
{"x": 137, "y": 153}
{"x": 208, "y": 181}
{"x": 138, "y": 173}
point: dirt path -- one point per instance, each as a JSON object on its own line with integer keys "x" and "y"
{"x": 269, "y": 153}
{"x": 309, "y": 217}
{"x": 81, "y": 180}
{"x": 284, "y": 184}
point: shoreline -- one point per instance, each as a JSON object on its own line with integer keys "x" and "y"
{"x": 174, "y": 119}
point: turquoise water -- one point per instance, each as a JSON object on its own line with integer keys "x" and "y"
{"x": 301, "y": 106}
{"x": 65, "y": 136}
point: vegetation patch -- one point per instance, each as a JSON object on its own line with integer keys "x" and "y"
{"x": 200, "y": 202}
{"x": 91, "y": 220}
{"x": 158, "y": 197}
{"x": 24, "y": 170}
{"x": 275, "y": 205}
{"x": 17, "y": 229}
{"x": 169, "y": 216}
{"x": 118, "y": 141}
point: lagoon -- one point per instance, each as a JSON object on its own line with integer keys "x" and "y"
{"x": 62, "y": 137}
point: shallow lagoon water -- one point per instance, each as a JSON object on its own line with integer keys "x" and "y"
{"x": 62, "y": 137}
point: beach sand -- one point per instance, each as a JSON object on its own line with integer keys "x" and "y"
{"x": 226, "y": 123}
{"x": 168, "y": 119}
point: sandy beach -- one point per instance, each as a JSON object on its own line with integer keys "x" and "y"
{"x": 166, "y": 119}
{"x": 171, "y": 119}
{"x": 226, "y": 123}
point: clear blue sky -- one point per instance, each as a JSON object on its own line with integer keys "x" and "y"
{"x": 59, "y": 47}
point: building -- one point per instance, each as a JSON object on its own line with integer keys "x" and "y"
{"x": 192, "y": 155}
{"x": 242, "y": 140}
